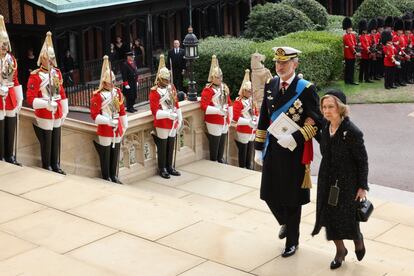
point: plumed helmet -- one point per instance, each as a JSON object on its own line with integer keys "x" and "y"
{"x": 372, "y": 25}
{"x": 106, "y": 74}
{"x": 215, "y": 70}
{"x": 47, "y": 52}
{"x": 246, "y": 84}
{"x": 398, "y": 24}
{"x": 4, "y": 37}
{"x": 386, "y": 36}
{"x": 389, "y": 22}
{"x": 380, "y": 22}
{"x": 362, "y": 26}
{"x": 346, "y": 23}
{"x": 163, "y": 72}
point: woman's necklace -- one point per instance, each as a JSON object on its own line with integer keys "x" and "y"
{"x": 333, "y": 130}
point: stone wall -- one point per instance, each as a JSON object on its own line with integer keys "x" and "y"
{"x": 138, "y": 157}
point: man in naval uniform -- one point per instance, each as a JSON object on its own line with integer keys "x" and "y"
{"x": 168, "y": 119}
{"x": 285, "y": 185}
{"x": 108, "y": 112}
{"x": 216, "y": 103}
{"x": 11, "y": 97}
{"x": 46, "y": 94}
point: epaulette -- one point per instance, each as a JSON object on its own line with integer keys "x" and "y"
{"x": 154, "y": 87}
{"x": 209, "y": 84}
{"x": 34, "y": 72}
{"x": 96, "y": 92}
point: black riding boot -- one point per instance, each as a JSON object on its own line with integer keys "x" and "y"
{"x": 56, "y": 142}
{"x": 242, "y": 153}
{"x": 250, "y": 155}
{"x": 45, "y": 141}
{"x": 213, "y": 142}
{"x": 2, "y": 134}
{"x": 222, "y": 146}
{"x": 170, "y": 154}
{"x": 114, "y": 163}
{"x": 161, "y": 156}
{"x": 9, "y": 139}
{"x": 104, "y": 153}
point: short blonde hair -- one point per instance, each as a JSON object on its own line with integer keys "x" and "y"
{"x": 343, "y": 108}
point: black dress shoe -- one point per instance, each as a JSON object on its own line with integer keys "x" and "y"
{"x": 283, "y": 231}
{"x": 116, "y": 180}
{"x": 369, "y": 81}
{"x": 164, "y": 173}
{"x": 403, "y": 84}
{"x": 394, "y": 87}
{"x": 173, "y": 171}
{"x": 337, "y": 262}
{"x": 289, "y": 251}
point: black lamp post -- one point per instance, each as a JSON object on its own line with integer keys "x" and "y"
{"x": 191, "y": 53}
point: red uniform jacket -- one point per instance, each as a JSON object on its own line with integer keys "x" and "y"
{"x": 206, "y": 100}
{"x": 365, "y": 44}
{"x": 349, "y": 46}
{"x": 11, "y": 99}
{"x": 33, "y": 91}
{"x": 389, "y": 51}
{"x": 237, "y": 113}
{"x": 96, "y": 109}
{"x": 155, "y": 105}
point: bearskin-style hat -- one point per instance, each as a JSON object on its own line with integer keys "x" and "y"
{"x": 407, "y": 16}
{"x": 398, "y": 24}
{"x": 372, "y": 25}
{"x": 385, "y": 37}
{"x": 389, "y": 22}
{"x": 346, "y": 23}
{"x": 408, "y": 25}
{"x": 380, "y": 22}
{"x": 362, "y": 26}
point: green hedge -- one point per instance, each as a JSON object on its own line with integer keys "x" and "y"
{"x": 314, "y": 10}
{"x": 403, "y": 5}
{"x": 335, "y": 23}
{"x": 320, "y": 61}
{"x": 272, "y": 20}
{"x": 372, "y": 9}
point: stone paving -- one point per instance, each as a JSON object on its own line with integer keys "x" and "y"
{"x": 210, "y": 221}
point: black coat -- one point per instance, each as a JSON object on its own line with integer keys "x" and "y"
{"x": 344, "y": 158}
{"x": 130, "y": 75}
{"x": 283, "y": 171}
{"x": 177, "y": 60}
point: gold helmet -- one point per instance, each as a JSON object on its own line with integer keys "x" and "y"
{"x": 215, "y": 70}
{"x": 106, "y": 73}
{"x": 246, "y": 84}
{"x": 47, "y": 51}
{"x": 4, "y": 37}
{"x": 163, "y": 72}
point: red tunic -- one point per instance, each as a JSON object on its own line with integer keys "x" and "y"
{"x": 207, "y": 100}
{"x": 155, "y": 105}
{"x": 237, "y": 113}
{"x": 11, "y": 98}
{"x": 96, "y": 109}
{"x": 389, "y": 51}
{"x": 349, "y": 46}
{"x": 33, "y": 91}
{"x": 365, "y": 44}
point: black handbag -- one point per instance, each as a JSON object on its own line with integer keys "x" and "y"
{"x": 364, "y": 210}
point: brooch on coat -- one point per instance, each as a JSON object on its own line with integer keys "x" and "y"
{"x": 295, "y": 111}
{"x": 344, "y": 135}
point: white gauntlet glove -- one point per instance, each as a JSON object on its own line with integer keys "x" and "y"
{"x": 4, "y": 90}
{"x": 52, "y": 106}
{"x": 172, "y": 116}
{"x": 286, "y": 141}
{"x": 258, "y": 155}
{"x": 253, "y": 124}
{"x": 114, "y": 123}
{"x": 127, "y": 86}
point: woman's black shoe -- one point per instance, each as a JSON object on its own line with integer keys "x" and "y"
{"x": 360, "y": 254}
{"x": 337, "y": 262}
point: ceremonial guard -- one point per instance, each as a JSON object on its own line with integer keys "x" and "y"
{"x": 245, "y": 115}
{"x": 46, "y": 95}
{"x": 408, "y": 48}
{"x": 350, "y": 43}
{"x": 400, "y": 44}
{"x": 389, "y": 60}
{"x": 365, "y": 40}
{"x": 168, "y": 120}
{"x": 373, "y": 49}
{"x": 108, "y": 112}
{"x": 216, "y": 104}
{"x": 129, "y": 73}
{"x": 379, "y": 64}
{"x": 11, "y": 97}
{"x": 291, "y": 109}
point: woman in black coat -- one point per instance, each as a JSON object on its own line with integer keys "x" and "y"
{"x": 345, "y": 165}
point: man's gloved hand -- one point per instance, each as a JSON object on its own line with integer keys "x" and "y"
{"x": 397, "y": 63}
{"x": 4, "y": 90}
{"x": 224, "y": 111}
{"x": 253, "y": 124}
{"x": 258, "y": 154}
{"x": 52, "y": 106}
{"x": 127, "y": 86}
{"x": 114, "y": 123}
{"x": 173, "y": 116}
{"x": 286, "y": 141}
